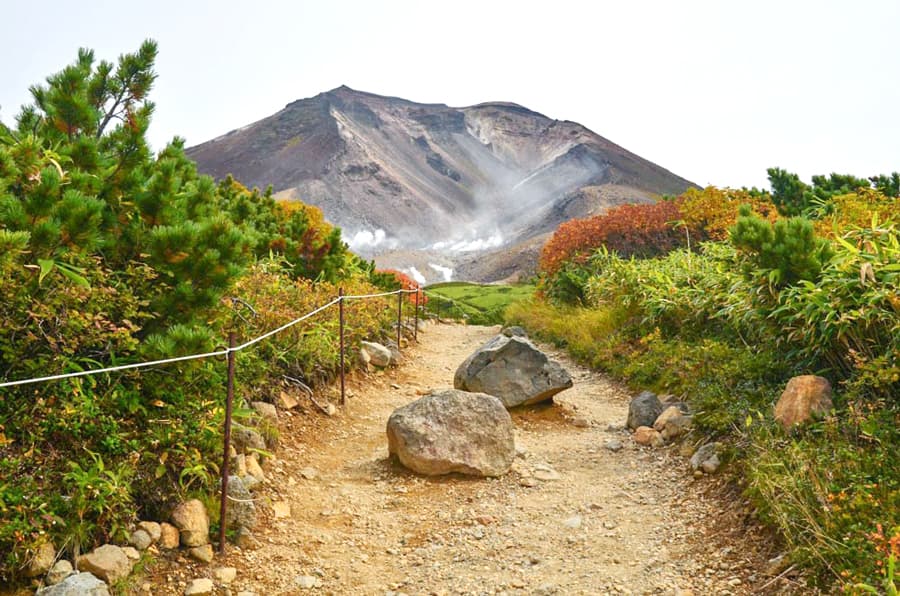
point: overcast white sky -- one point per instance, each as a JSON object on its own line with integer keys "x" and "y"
{"x": 714, "y": 91}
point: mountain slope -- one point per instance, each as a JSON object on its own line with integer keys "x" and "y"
{"x": 395, "y": 174}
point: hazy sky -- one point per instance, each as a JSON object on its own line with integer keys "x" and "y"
{"x": 714, "y": 91}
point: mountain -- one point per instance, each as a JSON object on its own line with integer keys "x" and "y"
{"x": 452, "y": 187}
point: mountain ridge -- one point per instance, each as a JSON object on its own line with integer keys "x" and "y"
{"x": 431, "y": 176}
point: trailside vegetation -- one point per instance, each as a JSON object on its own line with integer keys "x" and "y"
{"x": 803, "y": 279}
{"x": 111, "y": 254}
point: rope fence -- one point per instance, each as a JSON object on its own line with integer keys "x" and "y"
{"x": 215, "y": 354}
{"x": 229, "y": 354}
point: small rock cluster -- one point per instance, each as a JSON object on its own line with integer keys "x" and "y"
{"x": 468, "y": 429}
{"x": 379, "y": 356}
{"x": 109, "y": 563}
{"x": 657, "y": 423}
{"x": 188, "y": 525}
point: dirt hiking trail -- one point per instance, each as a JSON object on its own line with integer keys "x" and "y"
{"x": 572, "y": 517}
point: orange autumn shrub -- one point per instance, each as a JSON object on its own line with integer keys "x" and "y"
{"x": 715, "y": 210}
{"x": 856, "y": 210}
{"x": 405, "y": 282}
{"x": 629, "y": 230}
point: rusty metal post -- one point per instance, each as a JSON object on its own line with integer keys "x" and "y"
{"x": 399, "y": 318}
{"x": 341, "y": 319}
{"x": 416, "y": 319}
{"x": 229, "y": 399}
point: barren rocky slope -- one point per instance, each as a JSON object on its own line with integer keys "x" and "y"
{"x": 395, "y": 174}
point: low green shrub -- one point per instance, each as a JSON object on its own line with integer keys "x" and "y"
{"x": 828, "y": 488}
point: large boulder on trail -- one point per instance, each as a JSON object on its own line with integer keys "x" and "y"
{"x": 805, "y": 397}
{"x": 513, "y": 370}
{"x": 453, "y": 431}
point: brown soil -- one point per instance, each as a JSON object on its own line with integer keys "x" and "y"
{"x": 634, "y": 521}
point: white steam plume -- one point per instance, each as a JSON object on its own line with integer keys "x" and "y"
{"x": 447, "y": 272}
{"x": 417, "y": 276}
{"x": 365, "y": 239}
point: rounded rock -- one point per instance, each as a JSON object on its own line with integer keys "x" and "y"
{"x": 453, "y": 431}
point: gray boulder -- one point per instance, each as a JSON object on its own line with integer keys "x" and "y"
{"x": 514, "y": 331}
{"x": 377, "y": 353}
{"x": 643, "y": 410}
{"x": 453, "y": 431}
{"x": 246, "y": 440}
{"x": 706, "y": 458}
{"x": 108, "y": 562}
{"x": 266, "y": 410}
{"x": 241, "y": 511}
{"x": 152, "y": 528}
{"x": 513, "y": 370}
{"x": 140, "y": 539}
{"x": 192, "y": 521}
{"x": 82, "y": 584}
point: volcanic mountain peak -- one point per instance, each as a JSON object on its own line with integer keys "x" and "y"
{"x": 430, "y": 176}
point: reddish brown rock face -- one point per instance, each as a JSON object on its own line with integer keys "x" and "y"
{"x": 805, "y": 397}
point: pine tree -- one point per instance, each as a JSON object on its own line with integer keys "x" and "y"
{"x": 81, "y": 181}
{"x": 782, "y": 253}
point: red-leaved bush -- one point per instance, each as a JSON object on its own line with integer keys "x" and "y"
{"x": 629, "y": 230}
{"x": 406, "y": 283}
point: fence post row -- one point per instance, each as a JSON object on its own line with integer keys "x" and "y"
{"x": 229, "y": 399}
{"x": 230, "y": 358}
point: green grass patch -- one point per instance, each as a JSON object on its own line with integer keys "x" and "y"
{"x": 479, "y": 304}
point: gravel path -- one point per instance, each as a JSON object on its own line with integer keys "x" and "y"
{"x": 573, "y": 517}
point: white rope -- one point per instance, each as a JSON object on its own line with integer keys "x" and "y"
{"x": 394, "y": 293}
{"x": 285, "y": 326}
{"x": 110, "y": 369}
{"x": 223, "y": 352}
{"x": 236, "y": 500}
